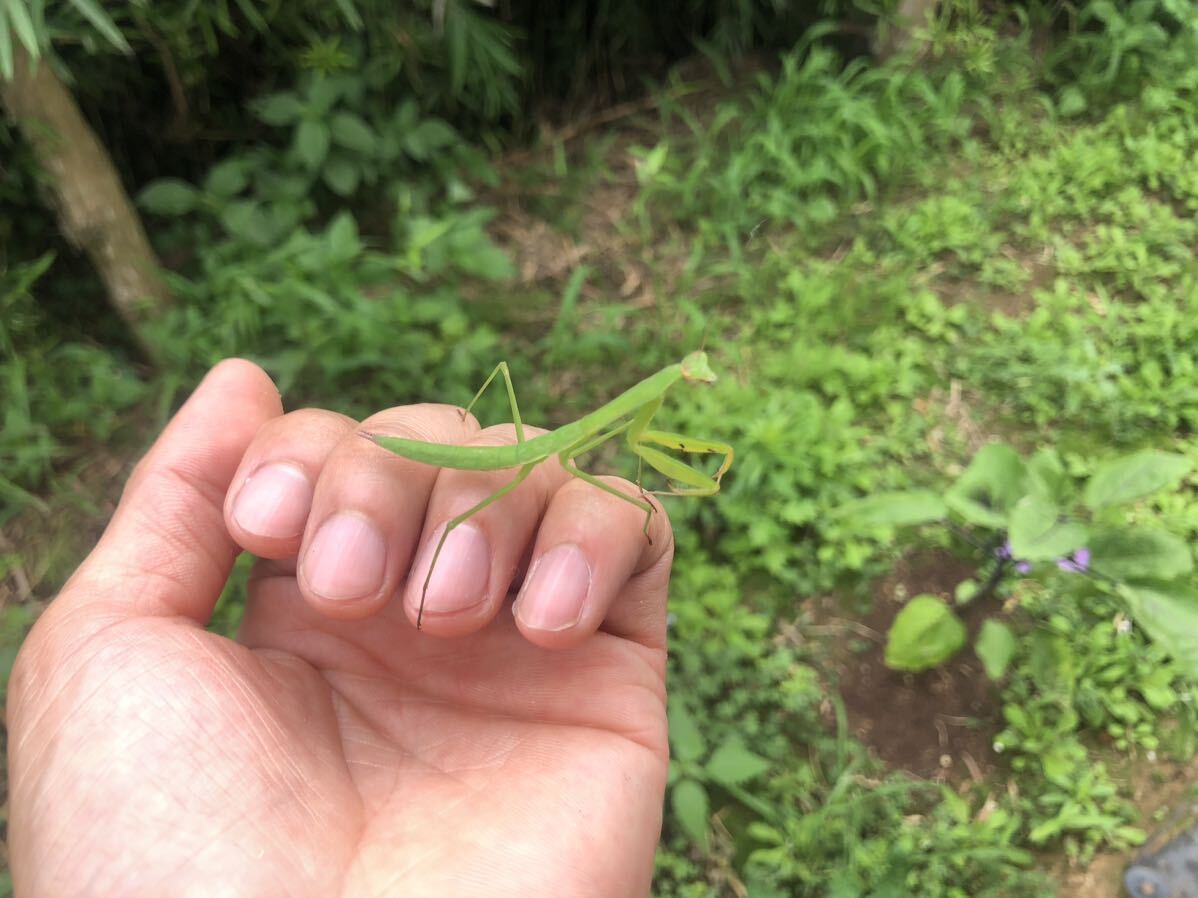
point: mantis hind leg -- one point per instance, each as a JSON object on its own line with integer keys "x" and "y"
{"x": 501, "y": 368}
{"x": 455, "y": 522}
{"x": 567, "y": 459}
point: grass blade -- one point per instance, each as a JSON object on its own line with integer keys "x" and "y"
{"x": 22, "y": 26}
{"x": 101, "y": 21}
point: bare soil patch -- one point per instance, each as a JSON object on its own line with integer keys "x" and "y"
{"x": 939, "y": 724}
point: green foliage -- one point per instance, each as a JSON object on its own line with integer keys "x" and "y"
{"x": 996, "y": 646}
{"x": 1133, "y": 477}
{"x": 1027, "y": 504}
{"x": 31, "y": 24}
{"x": 343, "y": 140}
{"x": 333, "y": 321}
{"x": 1086, "y": 669}
{"x": 810, "y": 140}
{"x": 15, "y": 622}
{"x": 925, "y": 634}
{"x": 59, "y": 395}
{"x": 1117, "y": 49}
{"x": 730, "y": 765}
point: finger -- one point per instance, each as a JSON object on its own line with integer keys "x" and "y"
{"x": 480, "y": 557}
{"x": 166, "y": 551}
{"x": 593, "y": 568}
{"x": 368, "y": 511}
{"x": 267, "y": 508}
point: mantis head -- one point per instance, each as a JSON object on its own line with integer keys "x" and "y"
{"x": 696, "y": 370}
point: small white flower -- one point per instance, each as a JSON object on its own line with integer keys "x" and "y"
{"x": 1151, "y": 756}
{"x": 1123, "y": 626}
{"x": 998, "y": 747}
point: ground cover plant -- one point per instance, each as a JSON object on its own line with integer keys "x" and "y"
{"x": 950, "y": 295}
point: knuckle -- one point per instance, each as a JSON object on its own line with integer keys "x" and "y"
{"x": 505, "y": 434}
{"x": 429, "y": 422}
{"x": 313, "y": 418}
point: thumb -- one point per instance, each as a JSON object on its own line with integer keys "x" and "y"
{"x": 166, "y": 551}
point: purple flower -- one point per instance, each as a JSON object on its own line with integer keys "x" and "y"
{"x": 1003, "y": 553}
{"x": 1077, "y": 563}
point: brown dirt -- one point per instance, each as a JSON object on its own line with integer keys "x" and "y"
{"x": 939, "y": 724}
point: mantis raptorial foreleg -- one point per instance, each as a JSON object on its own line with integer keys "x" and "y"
{"x": 454, "y": 522}
{"x": 694, "y": 482}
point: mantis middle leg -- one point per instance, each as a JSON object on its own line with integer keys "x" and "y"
{"x": 501, "y": 368}
{"x": 567, "y": 459}
{"x": 455, "y": 522}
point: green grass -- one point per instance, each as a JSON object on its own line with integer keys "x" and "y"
{"x": 857, "y": 245}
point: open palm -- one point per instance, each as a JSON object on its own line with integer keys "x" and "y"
{"x": 333, "y": 749}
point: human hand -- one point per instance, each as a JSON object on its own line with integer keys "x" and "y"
{"x": 333, "y": 749}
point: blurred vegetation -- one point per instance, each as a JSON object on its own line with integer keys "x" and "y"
{"x": 989, "y": 237}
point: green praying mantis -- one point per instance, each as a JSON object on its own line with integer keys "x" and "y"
{"x": 629, "y": 414}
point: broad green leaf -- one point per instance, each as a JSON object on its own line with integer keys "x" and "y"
{"x": 100, "y": 20}
{"x": 924, "y": 634}
{"x": 1060, "y": 762}
{"x": 342, "y": 237}
{"x": 322, "y": 94}
{"x": 1134, "y": 476}
{"x": 894, "y": 509}
{"x": 688, "y": 742}
{"x": 312, "y": 143}
{"x": 1046, "y": 477}
{"x": 246, "y": 220}
{"x": 426, "y": 138}
{"x": 351, "y": 132}
{"x": 279, "y": 109}
{"x": 1157, "y": 688}
{"x": 966, "y": 591}
{"x": 995, "y": 647}
{"x": 168, "y": 196}
{"x": 341, "y": 175}
{"x": 1037, "y": 533}
{"x": 989, "y": 488}
{"x": 1140, "y": 553}
{"x": 689, "y": 800}
{"x": 732, "y": 763}
{"x": 1071, "y": 102}
{"x": 226, "y": 179}
{"x": 1168, "y": 613}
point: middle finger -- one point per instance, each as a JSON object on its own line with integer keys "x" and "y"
{"x": 480, "y": 557}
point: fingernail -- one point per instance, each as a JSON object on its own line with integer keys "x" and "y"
{"x": 274, "y": 501}
{"x": 555, "y": 591}
{"x": 346, "y": 559}
{"x": 460, "y": 578}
